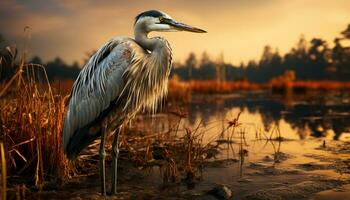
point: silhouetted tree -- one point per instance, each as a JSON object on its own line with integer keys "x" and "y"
{"x": 346, "y": 32}
{"x": 2, "y": 42}
{"x": 191, "y": 63}
{"x": 205, "y": 59}
{"x": 58, "y": 69}
{"x": 6, "y": 60}
{"x": 36, "y": 60}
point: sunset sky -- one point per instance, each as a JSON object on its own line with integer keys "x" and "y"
{"x": 238, "y": 28}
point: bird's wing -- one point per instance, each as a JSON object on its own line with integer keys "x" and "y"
{"x": 99, "y": 83}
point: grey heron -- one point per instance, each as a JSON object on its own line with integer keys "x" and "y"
{"x": 123, "y": 77}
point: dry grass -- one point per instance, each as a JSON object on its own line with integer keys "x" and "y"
{"x": 31, "y": 117}
{"x": 3, "y": 171}
{"x": 321, "y": 85}
{"x": 179, "y": 152}
{"x": 179, "y": 89}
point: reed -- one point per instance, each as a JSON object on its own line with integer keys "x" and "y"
{"x": 3, "y": 171}
{"x": 180, "y": 89}
{"x": 31, "y": 117}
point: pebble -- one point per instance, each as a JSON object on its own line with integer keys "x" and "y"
{"x": 221, "y": 192}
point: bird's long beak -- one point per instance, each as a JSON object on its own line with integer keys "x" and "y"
{"x": 181, "y": 26}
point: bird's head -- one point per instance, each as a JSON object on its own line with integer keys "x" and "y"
{"x": 154, "y": 20}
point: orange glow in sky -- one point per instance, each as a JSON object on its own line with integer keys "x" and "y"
{"x": 238, "y": 28}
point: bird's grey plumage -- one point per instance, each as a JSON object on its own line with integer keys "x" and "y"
{"x": 90, "y": 95}
{"x": 121, "y": 68}
{"x": 123, "y": 77}
{"x": 147, "y": 79}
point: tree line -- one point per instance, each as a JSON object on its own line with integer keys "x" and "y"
{"x": 56, "y": 69}
{"x": 309, "y": 60}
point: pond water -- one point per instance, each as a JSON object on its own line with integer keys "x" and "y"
{"x": 317, "y": 115}
{"x": 283, "y": 138}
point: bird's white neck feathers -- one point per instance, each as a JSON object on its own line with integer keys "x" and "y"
{"x": 146, "y": 25}
{"x": 147, "y": 76}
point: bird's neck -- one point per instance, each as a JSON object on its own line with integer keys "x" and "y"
{"x": 159, "y": 47}
{"x": 141, "y": 37}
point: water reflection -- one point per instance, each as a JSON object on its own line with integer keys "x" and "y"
{"x": 317, "y": 115}
{"x": 275, "y": 134}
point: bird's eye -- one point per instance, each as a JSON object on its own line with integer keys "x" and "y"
{"x": 161, "y": 18}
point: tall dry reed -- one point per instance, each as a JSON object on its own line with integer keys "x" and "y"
{"x": 31, "y": 118}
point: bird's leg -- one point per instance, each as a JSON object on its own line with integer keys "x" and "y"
{"x": 102, "y": 161}
{"x": 115, "y": 154}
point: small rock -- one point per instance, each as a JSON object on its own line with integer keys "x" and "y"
{"x": 243, "y": 152}
{"x": 267, "y": 159}
{"x": 221, "y": 192}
